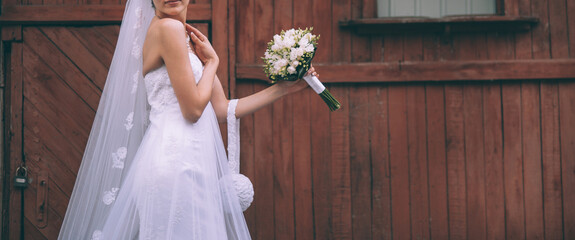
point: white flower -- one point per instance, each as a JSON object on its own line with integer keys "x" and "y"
{"x": 295, "y": 63}
{"x": 303, "y": 41}
{"x": 291, "y": 70}
{"x": 276, "y": 47}
{"x": 110, "y": 196}
{"x": 277, "y": 38}
{"x": 309, "y": 48}
{"x": 293, "y": 54}
{"x": 290, "y": 33}
{"x": 288, "y": 42}
{"x": 281, "y": 63}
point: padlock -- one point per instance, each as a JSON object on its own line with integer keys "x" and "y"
{"x": 21, "y": 178}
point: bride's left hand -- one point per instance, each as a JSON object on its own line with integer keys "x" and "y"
{"x": 298, "y": 85}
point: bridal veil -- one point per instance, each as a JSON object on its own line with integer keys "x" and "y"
{"x": 118, "y": 129}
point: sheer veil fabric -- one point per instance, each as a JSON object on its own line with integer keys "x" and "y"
{"x": 107, "y": 203}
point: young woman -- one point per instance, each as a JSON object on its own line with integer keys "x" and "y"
{"x": 155, "y": 166}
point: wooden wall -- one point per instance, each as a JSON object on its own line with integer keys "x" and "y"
{"x": 413, "y": 155}
{"x": 442, "y": 136}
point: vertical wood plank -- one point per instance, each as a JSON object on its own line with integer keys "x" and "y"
{"x": 283, "y": 170}
{"x": 361, "y": 163}
{"x": 302, "y": 164}
{"x": 559, "y": 41}
{"x": 381, "y": 188}
{"x": 417, "y": 144}
{"x": 418, "y": 167}
{"x": 16, "y": 137}
{"x": 475, "y": 166}
{"x": 493, "y": 145}
{"x": 247, "y": 154}
{"x": 551, "y": 153}
{"x": 513, "y": 161}
{"x": 369, "y": 10}
{"x": 531, "y": 143}
{"x": 323, "y": 26}
{"x": 232, "y": 48}
{"x": 399, "y": 162}
{"x": 523, "y": 40}
{"x": 571, "y": 27}
{"x": 341, "y": 48}
{"x": 321, "y": 166}
{"x": 511, "y": 7}
{"x": 246, "y": 30}
{"x": 436, "y": 155}
{"x": 360, "y": 45}
{"x": 455, "y": 135}
{"x": 343, "y": 173}
{"x": 499, "y": 46}
{"x": 250, "y": 41}
{"x": 282, "y": 141}
{"x": 346, "y": 188}
{"x": 540, "y": 37}
{"x": 263, "y": 27}
{"x": 302, "y": 132}
{"x": 220, "y": 40}
{"x": 567, "y": 118}
{"x": 264, "y": 199}
{"x": 321, "y": 140}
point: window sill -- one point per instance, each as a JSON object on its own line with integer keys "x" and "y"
{"x": 467, "y": 23}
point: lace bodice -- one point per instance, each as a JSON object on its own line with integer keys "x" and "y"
{"x": 159, "y": 88}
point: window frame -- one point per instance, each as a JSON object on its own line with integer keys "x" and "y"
{"x": 506, "y": 19}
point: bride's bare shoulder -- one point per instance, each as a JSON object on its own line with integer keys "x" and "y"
{"x": 165, "y": 27}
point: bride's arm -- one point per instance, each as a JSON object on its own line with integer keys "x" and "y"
{"x": 252, "y": 103}
{"x": 191, "y": 97}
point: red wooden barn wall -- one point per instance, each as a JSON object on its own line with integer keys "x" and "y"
{"x": 404, "y": 157}
{"x": 408, "y": 158}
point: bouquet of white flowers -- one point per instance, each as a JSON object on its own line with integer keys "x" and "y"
{"x": 288, "y": 57}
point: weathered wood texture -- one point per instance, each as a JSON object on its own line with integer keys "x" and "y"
{"x": 418, "y": 150}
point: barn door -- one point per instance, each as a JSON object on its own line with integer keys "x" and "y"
{"x": 62, "y": 71}
{"x": 56, "y": 78}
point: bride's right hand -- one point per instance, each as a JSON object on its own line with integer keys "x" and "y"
{"x": 202, "y": 46}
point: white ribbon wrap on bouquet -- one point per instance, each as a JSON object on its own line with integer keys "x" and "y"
{"x": 243, "y": 185}
{"x": 314, "y": 83}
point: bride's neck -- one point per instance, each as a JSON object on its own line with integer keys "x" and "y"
{"x": 180, "y": 17}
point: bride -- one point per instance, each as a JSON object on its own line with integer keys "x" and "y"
{"x": 155, "y": 166}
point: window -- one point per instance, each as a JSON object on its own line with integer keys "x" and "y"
{"x": 434, "y": 8}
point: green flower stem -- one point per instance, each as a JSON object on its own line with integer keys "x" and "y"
{"x": 331, "y": 102}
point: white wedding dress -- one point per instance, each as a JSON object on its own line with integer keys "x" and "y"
{"x": 178, "y": 186}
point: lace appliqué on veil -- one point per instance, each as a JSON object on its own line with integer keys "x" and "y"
{"x": 110, "y": 196}
{"x": 139, "y": 20}
{"x": 96, "y": 235}
{"x": 135, "y": 82}
{"x": 129, "y": 122}
{"x": 136, "y": 49}
{"x": 118, "y": 157}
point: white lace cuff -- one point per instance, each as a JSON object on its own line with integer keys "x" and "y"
{"x": 233, "y": 137}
